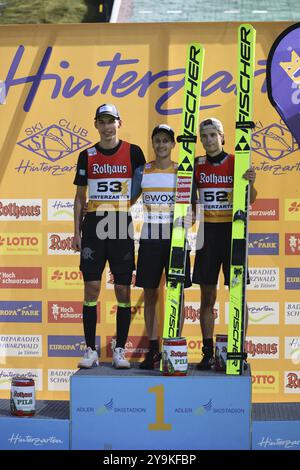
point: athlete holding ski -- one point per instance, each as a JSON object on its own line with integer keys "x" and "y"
{"x": 214, "y": 175}
{"x": 157, "y": 183}
{"x": 102, "y": 229}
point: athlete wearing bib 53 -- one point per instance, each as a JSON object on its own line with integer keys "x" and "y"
{"x": 157, "y": 183}
{"x": 106, "y": 170}
{"x": 214, "y": 175}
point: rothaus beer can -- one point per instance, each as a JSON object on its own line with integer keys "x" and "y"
{"x": 174, "y": 356}
{"x": 221, "y": 352}
{"x": 22, "y": 396}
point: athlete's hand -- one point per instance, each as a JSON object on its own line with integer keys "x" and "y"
{"x": 186, "y": 221}
{"x": 250, "y": 175}
{"x": 76, "y": 243}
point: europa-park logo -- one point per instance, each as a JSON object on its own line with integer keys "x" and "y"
{"x": 66, "y": 277}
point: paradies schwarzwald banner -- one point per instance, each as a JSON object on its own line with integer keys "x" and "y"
{"x": 55, "y": 78}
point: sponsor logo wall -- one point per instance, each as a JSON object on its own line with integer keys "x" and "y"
{"x": 40, "y": 283}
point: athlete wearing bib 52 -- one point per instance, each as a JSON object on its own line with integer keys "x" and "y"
{"x": 157, "y": 183}
{"x": 214, "y": 175}
{"x": 105, "y": 233}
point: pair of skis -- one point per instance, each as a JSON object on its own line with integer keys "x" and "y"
{"x": 187, "y": 140}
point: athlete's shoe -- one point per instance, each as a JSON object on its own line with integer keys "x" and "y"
{"x": 151, "y": 360}
{"x": 89, "y": 360}
{"x": 207, "y": 361}
{"x": 119, "y": 360}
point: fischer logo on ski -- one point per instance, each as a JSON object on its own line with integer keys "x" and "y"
{"x": 239, "y": 243}
{"x": 183, "y": 195}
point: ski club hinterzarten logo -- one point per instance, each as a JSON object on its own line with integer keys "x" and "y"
{"x": 273, "y": 141}
{"x": 52, "y": 144}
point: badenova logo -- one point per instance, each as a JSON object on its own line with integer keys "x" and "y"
{"x": 20, "y": 311}
{"x": 68, "y": 346}
{"x": 20, "y": 209}
{"x": 264, "y": 209}
{"x": 292, "y": 278}
{"x": 292, "y": 313}
{"x": 263, "y": 244}
{"x": 60, "y": 244}
{"x": 20, "y": 345}
{"x": 7, "y": 374}
{"x": 61, "y": 209}
{"x": 67, "y": 312}
{"x": 292, "y": 381}
{"x": 265, "y": 381}
{"x": 264, "y": 278}
{"x": 20, "y": 278}
{"x": 262, "y": 347}
{"x": 59, "y": 379}
{"x": 16, "y": 243}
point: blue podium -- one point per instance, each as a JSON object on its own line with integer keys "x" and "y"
{"x": 136, "y": 409}
{"x": 276, "y": 426}
{"x": 48, "y": 429}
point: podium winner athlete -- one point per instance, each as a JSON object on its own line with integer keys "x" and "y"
{"x": 214, "y": 178}
{"x": 104, "y": 234}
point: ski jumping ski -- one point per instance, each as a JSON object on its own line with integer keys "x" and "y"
{"x": 187, "y": 141}
{"x": 239, "y": 242}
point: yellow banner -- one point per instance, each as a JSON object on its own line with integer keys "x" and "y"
{"x": 56, "y": 76}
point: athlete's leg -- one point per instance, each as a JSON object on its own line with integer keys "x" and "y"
{"x": 122, "y": 293}
{"x": 89, "y": 319}
{"x": 208, "y": 299}
{"x": 150, "y": 300}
